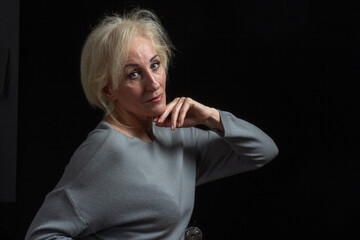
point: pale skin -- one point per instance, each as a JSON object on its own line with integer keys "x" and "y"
{"x": 140, "y": 98}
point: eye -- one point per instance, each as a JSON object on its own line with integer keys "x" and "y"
{"x": 133, "y": 75}
{"x": 155, "y": 65}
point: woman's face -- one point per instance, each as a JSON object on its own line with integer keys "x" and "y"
{"x": 141, "y": 92}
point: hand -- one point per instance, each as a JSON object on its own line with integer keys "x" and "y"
{"x": 186, "y": 112}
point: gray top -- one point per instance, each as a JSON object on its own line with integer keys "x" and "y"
{"x": 119, "y": 187}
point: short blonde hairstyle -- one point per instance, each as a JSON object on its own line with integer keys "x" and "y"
{"x": 105, "y": 52}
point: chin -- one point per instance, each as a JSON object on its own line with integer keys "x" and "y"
{"x": 158, "y": 110}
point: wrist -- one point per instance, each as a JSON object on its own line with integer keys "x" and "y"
{"x": 214, "y": 120}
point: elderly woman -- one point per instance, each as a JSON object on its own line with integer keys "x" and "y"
{"x": 134, "y": 177}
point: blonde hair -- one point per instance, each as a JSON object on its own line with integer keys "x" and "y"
{"x": 105, "y": 52}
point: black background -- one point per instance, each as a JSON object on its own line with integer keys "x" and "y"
{"x": 289, "y": 67}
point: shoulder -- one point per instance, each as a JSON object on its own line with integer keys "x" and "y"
{"x": 96, "y": 141}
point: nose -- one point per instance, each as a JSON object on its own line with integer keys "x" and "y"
{"x": 151, "y": 82}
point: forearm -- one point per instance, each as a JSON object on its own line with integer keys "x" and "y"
{"x": 241, "y": 147}
{"x": 248, "y": 140}
{"x": 214, "y": 120}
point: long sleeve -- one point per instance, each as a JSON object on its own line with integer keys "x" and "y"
{"x": 57, "y": 219}
{"x": 242, "y": 147}
{"x": 119, "y": 187}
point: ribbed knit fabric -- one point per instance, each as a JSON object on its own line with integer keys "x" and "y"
{"x": 119, "y": 187}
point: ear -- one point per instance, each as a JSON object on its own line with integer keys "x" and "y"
{"x": 109, "y": 92}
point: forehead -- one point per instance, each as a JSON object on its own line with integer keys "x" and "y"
{"x": 141, "y": 49}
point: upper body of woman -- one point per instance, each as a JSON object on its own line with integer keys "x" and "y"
{"x": 134, "y": 177}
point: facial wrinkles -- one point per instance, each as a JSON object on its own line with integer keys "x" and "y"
{"x": 140, "y": 54}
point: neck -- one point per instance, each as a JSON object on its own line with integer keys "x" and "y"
{"x": 132, "y": 126}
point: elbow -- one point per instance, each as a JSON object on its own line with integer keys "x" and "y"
{"x": 273, "y": 153}
{"x": 270, "y": 151}
{"x": 265, "y": 154}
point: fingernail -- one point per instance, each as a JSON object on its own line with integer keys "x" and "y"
{"x": 155, "y": 119}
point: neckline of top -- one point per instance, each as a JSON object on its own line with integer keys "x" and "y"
{"x": 130, "y": 137}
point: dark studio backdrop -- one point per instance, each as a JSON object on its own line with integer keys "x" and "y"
{"x": 289, "y": 67}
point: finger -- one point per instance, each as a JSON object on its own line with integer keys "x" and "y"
{"x": 175, "y": 113}
{"x": 183, "y": 111}
{"x": 166, "y": 123}
{"x": 168, "y": 110}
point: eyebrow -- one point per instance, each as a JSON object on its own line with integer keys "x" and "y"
{"x": 135, "y": 65}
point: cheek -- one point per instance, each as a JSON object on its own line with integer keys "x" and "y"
{"x": 162, "y": 78}
{"x": 162, "y": 106}
{"x": 133, "y": 92}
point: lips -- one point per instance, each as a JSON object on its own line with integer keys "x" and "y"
{"x": 156, "y": 99}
